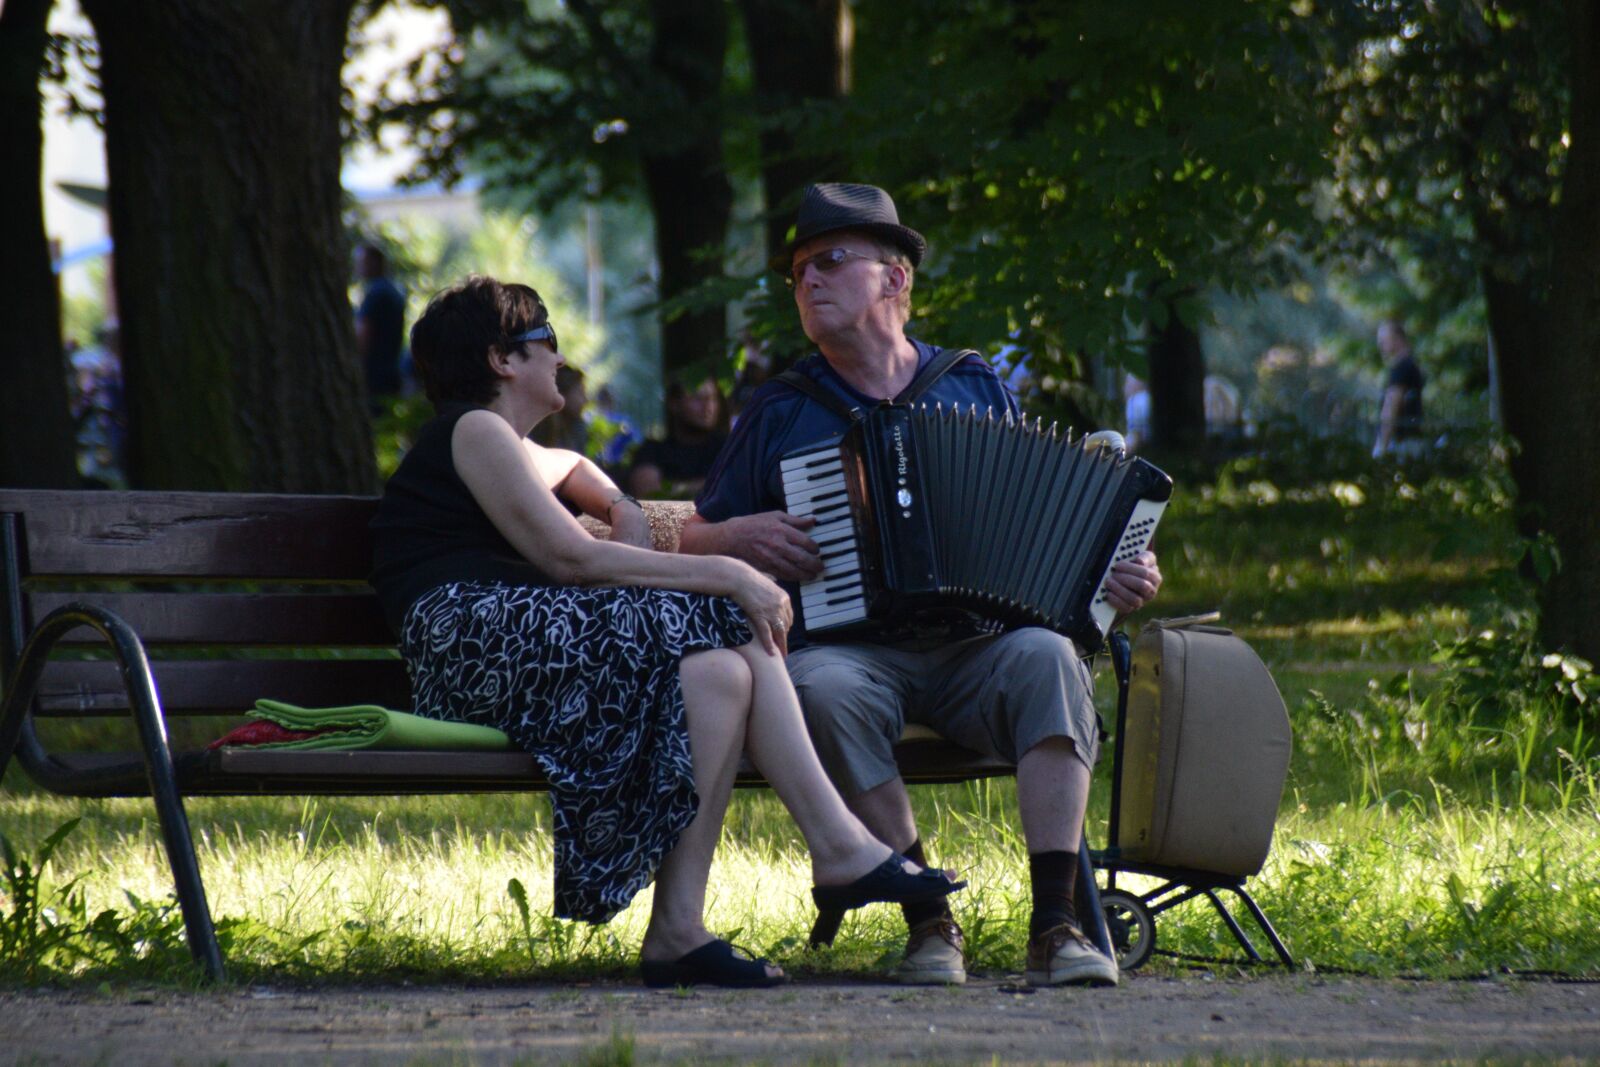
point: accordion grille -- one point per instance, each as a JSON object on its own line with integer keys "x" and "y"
{"x": 1026, "y": 517}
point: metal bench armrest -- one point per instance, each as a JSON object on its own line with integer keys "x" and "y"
{"x": 146, "y": 706}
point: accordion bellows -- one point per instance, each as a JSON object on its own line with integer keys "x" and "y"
{"x": 1205, "y": 752}
{"x": 927, "y": 509}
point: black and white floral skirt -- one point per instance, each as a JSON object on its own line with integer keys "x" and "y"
{"x": 585, "y": 680}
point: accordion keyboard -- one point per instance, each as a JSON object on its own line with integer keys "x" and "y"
{"x": 814, "y": 487}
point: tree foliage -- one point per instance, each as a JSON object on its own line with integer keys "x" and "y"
{"x": 538, "y": 97}
{"x": 1081, "y": 169}
{"x": 1448, "y": 120}
{"x": 800, "y": 54}
{"x": 583, "y": 99}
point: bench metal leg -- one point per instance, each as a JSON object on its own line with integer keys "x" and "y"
{"x": 12, "y": 715}
{"x": 141, "y": 687}
{"x": 12, "y": 712}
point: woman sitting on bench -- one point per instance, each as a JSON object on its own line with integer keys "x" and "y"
{"x": 635, "y": 678}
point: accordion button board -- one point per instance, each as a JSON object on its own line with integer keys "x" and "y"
{"x": 923, "y": 510}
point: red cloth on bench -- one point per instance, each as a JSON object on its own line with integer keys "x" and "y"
{"x": 261, "y": 732}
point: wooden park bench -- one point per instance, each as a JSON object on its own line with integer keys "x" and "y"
{"x": 148, "y": 606}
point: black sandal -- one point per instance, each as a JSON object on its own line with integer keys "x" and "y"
{"x": 713, "y": 963}
{"x": 886, "y": 883}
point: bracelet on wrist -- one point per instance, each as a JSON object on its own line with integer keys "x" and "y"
{"x": 619, "y": 498}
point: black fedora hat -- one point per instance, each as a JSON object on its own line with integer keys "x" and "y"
{"x": 831, "y": 206}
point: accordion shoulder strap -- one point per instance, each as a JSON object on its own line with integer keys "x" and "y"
{"x": 832, "y": 401}
{"x": 909, "y": 395}
{"x": 934, "y": 371}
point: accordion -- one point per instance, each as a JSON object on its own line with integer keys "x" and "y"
{"x": 923, "y": 510}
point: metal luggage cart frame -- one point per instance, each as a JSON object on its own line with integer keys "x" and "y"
{"x": 1129, "y": 917}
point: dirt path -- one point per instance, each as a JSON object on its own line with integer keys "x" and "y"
{"x": 1149, "y": 1019}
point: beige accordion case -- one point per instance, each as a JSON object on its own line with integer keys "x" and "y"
{"x": 1205, "y": 751}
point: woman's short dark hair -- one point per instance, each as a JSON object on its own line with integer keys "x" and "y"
{"x": 450, "y": 343}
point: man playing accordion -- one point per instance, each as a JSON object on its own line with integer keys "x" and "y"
{"x": 1024, "y": 695}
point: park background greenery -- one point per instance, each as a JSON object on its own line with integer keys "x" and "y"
{"x": 1102, "y": 187}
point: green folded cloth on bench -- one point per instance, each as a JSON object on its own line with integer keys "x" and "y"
{"x": 369, "y": 726}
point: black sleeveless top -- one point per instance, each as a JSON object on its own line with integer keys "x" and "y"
{"x": 429, "y": 530}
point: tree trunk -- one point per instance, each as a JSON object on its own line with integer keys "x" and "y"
{"x": 1566, "y": 448}
{"x": 1177, "y": 386}
{"x": 687, "y": 183}
{"x": 1518, "y": 320}
{"x": 223, "y": 147}
{"x": 799, "y": 51}
{"x": 36, "y": 440}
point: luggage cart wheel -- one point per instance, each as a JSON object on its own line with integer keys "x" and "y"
{"x": 1131, "y": 927}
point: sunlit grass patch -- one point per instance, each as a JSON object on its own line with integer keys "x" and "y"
{"x": 1420, "y": 884}
{"x": 1429, "y": 888}
{"x": 1375, "y": 641}
{"x": 1446, "y": 617}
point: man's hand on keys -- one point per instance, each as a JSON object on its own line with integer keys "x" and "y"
{"x": 775, "y": 542}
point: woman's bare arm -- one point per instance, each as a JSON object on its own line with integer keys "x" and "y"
{"x": 506, "y": 483}
{"x": 578, "y": 479}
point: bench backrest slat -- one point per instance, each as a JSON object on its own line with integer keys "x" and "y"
{"x": 194, "y": 535}
{"x": 301, "y": 619}
{"x": 205, "y": 687}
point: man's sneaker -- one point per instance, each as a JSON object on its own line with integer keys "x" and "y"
{"x": 1063, "y": 956}
{"x": 934, "y": 954}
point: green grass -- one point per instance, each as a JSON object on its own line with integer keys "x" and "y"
{"x": 1442, "y": 815}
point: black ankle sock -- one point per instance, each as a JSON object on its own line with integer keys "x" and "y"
{"x": 1054, "y": 876}
{"x": 927, "y": 909}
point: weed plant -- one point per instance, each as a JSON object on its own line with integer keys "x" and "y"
{"x": 1442, "y": 815}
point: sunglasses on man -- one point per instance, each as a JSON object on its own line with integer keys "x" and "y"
{"x": 546, "y": 332}
{"x": 826, "y": 263}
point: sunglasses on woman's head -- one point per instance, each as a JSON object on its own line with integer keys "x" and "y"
{"x": 825, "y": 262}
{"x": 546, "y": 332}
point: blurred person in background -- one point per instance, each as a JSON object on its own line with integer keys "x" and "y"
{"x": 1400, "y": 420}
{"x": 380, "y": 326}
{"x": 622, "y": 433}
{"x": 99, "y": 419}
{"x": 1136, "y": 411}
{"x": 1224, "y": 415}
{"x": 697, "y": 428}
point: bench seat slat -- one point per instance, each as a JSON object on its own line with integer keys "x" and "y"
{"x": 190, "y": 687}
{"x": 314, "y": 620}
